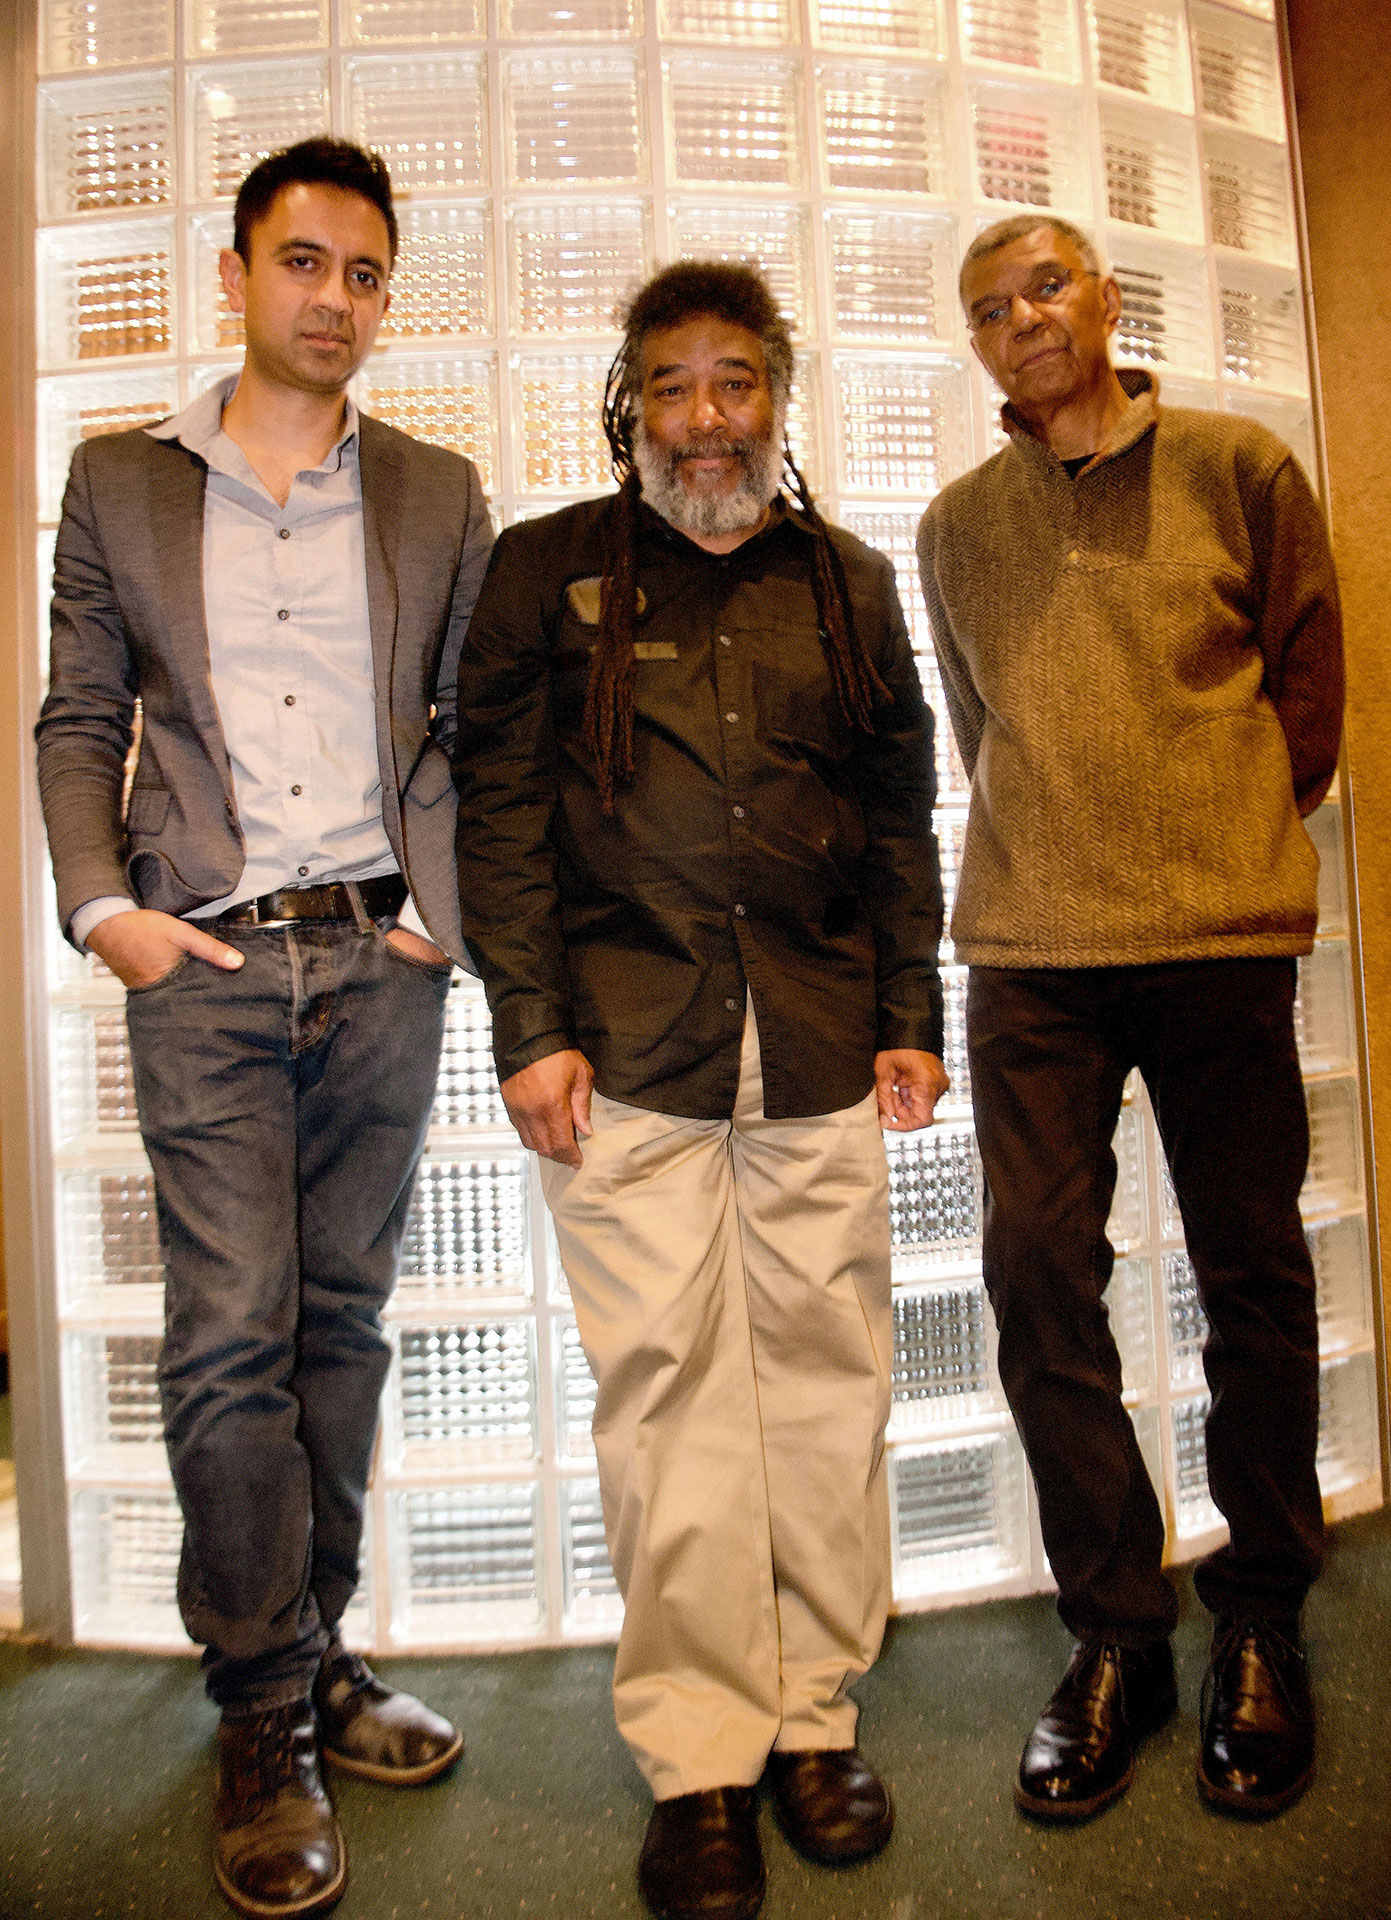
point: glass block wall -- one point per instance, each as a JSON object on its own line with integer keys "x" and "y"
{"x": 547, "y": 155}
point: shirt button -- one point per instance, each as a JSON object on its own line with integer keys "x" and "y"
{"x": 283, "y": 614}
{"x": 303, "y": 870}
{"x": 738, "y": 813}
{"x": 289, "y": 699}
{"x": 733, "y": 719}
{"x": 284, "y": 533}
{"x": 296, "y": 790}
{"x": 731, "y": 1006}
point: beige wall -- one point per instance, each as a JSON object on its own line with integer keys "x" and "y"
{"x": 1342, "y": 84}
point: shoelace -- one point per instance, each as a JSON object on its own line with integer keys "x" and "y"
{"x": 1228, "y": 1646}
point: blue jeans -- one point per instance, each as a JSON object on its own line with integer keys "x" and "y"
{"x": 284, "y": 1108}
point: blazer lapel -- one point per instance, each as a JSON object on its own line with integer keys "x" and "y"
{"x": 383, "y": 482}
{"x": 174, "y": 525}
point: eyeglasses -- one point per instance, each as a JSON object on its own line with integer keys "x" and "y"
{"x": 1048, "y": 288}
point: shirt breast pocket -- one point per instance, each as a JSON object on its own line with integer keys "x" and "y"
{"x": 795, "y": 696}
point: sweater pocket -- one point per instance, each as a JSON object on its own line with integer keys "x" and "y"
{"x": 1234, "y": 846}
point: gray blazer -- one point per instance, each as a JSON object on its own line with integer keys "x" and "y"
{"x": 128, "y": 624}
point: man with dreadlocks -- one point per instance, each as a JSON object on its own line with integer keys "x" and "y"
{"x": 698, "y": 873}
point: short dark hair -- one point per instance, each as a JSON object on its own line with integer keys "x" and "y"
{"x": 321, "y": 162}
{"x": 728, "y": 290}
{"x": 1018, "y": 227}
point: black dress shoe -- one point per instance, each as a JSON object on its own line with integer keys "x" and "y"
{"x": 373, "y": 1731}
{"x": 279, "y": 1852}
{"x": 701, "y": 1859}
{"x": 831, "y": 1805}
{"x": 1258, "y": 1720}
{"x": 1081, "y": 1754}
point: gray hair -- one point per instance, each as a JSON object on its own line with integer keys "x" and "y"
{"x": 1018, "y": 227}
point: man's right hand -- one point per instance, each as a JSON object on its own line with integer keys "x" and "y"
{"x": 548, "y": 1104}
{"x": 142, "y": 946}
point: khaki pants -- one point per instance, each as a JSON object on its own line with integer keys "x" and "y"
{"x": 731, "y": 1285}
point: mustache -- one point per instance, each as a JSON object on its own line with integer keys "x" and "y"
{"x": 742, "y": 447}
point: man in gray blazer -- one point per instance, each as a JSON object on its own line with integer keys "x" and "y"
{"x": 282, "y": 585}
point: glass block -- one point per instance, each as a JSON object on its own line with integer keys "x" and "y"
{"x": 125, "y": 1547}
{"x": 943, "y": 1339}
{"x": 1323, "y": 1010}
{"x": 726, "y": 22}
{"x": 1126, "y": 1226}
{"x": 93, "y": 1089}
{"x": 777, "y": 240}
{"x": 1029, "y": 149}
{"x": 426, "y": 116}
{"x": 593, "y": 1603}
{"x": 448, "y": 399}
{"x": 903, "y": 424}
{"x": 571, "y": 264}
{"x": 960, "y": 1514}
{"x": 467, "y": 1228}
{"x": 1190, "y": 393}
{"x": 209, "y": 373}
{"x": 558, "y": 401}
{"x": 106, "y": 144}
{"x": 954, "y": 1057}
{"x": 462, "y": 1395}
{"x": 883, "y": 129}
{"x": 1248, "y": 196}
{"x": 108, "y": 1236}
{"x": 375, "y": 22}
{"x": 950, "y": 829}
{"x": 566, "y": 19}
{"x": 106, "y": 33}
{"x": 1334, "y": 1180}
{"x": 1151, "y": 173}
{"x": 106, "y": 291}
{"x": 1194, "y": 1509}
{"x": 1149, "y": 1436}
{"x": 894, "y": 275}
{"x": 213, "y": 327}
{"x": 573, "y": 117}
{"x": 935, "y": 1197}
{"x": 466, "y": 1563}
{"x": 734, "y": 123}
{"x": 878, "y": 26}
{"x": 1339, "y": 1252}
{"x": 240, "y": 114}
{"x": 575, "y": 1391}
{"x": 1185, "y": 1322}
{"x": 1262, "y": 326}
{"x": 1142, "y": 46}
{"x": 1349, "y": 1433}
{"x": 1130, "y": 1311}
{"x": 804, "y": 421}
{"x": 1166, "y": 315}
{"x": 1291, "y": 420}
{"x": 255, "y": 26}
{"x": 442, "y": 281}
{"x": 1258, "y": 9}
{"x": 466, "y": 1093}
{"x": 111, "y": 1399}
{"x": 1039, "y": 34}
{"x": 1239, "y": 72}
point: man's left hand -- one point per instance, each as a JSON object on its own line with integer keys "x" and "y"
{"x": 425, "y": 951}
{"x": 909, "y": 1085}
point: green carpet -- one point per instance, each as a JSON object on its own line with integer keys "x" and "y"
{"x": 105, "y": 1781}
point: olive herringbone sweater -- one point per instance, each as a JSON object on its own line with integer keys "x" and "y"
{"x": 1143, "y": 667}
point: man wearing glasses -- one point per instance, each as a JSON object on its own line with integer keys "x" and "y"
{"x": 1137, "y": 621}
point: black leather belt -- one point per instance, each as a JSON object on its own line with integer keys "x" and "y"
{"x": 329, "y": 902}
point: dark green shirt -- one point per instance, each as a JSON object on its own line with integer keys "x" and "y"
{"x": 764, "y": 842}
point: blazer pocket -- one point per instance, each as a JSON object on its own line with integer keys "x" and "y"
{"x": 148, "y": 809}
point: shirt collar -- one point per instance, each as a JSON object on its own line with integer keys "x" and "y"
{"x": 781, "y": 513}
{"x": 1142, "y": 390}
{"x": 199, "y": 428}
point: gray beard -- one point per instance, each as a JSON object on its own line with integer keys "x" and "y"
{"x": 708, "y": 515}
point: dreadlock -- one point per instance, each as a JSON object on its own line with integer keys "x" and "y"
{"x": 738, "y": 295}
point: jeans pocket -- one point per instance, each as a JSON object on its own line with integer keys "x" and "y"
{"x": 430, "y": 968}
{"x": 153, "y": 986}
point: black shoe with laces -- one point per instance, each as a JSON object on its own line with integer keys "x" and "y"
{"x": 375, "y": 1731}
{"x": 279, "y": 1852}
{"x": 1257, "y": 1754}
{"x": 1081, "y": 1754}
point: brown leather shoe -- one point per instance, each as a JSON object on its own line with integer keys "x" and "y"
{"x": 701, "y": 1859}
{"x": 831, "y": 1805}
{"x": 370, "y": 1729}
{"x": 279, "y": 1852}
{"x": 1081, "y": 1754}
{"x": 1257, "y": 1754}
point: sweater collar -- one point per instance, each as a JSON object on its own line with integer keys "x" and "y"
{"x": 1139, "y": 418}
